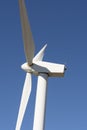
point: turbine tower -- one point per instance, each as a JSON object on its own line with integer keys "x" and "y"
{"x": 42, "y": 69}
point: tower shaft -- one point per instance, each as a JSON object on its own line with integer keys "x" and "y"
{"x": 40, "y": 106}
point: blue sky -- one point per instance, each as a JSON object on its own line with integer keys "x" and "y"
{"x": 63, "y": 26}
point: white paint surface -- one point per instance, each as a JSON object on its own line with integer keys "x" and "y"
{"x": 39, "y": 118}
{"x": 24, "y": 100}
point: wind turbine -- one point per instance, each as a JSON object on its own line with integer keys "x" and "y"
{"x": 42, "y": 69}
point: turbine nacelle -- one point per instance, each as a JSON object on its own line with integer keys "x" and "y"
{"x": 52, "y": 69}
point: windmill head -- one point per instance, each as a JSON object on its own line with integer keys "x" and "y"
{"x": 38, "y": 66}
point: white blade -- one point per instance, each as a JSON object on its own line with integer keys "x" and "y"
{"x": 40, "y": 54}
{"x": 27, "y": 35}
{"x": 24, "y": 100}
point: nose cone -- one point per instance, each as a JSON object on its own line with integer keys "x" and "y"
{"x": 27, "y": 68}
{"x": 24, "y": 66}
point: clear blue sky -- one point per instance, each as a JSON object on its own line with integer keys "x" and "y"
{"x": 62, "y": 24}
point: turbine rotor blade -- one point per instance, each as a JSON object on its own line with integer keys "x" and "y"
{"x": 24, "y": 100}
{"x": 40, "y": 54}
{"x": 29, "y": 46}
